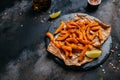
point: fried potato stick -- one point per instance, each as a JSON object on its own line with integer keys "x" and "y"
{"x": 60, "y": 27}
{"x": 50, "y": 36}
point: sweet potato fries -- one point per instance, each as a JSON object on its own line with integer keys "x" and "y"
{"x": 77, "y": 36}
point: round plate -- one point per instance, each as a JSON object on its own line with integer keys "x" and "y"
{"x": 96, "y": 62}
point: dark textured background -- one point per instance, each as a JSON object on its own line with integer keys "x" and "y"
{"x": 23, "y": 54}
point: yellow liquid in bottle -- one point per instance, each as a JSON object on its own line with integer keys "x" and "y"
{"x": 39, "y": 5}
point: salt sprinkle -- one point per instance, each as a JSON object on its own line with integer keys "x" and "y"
{"x": 116, "y": 47}
{"x": 49, "y": 12}
{"x": 5, "y": 13}
{"x": 51, "y": 22}
{"x": 101, "y": 66}
{"x": 20, "y": 13}
{"x": 118, "y": 60}
{"x": 41, "y": 21}
{"x": 44, "y": 18}
{"x": 111, "y": 64}
{"x": 118, "y": 54}
{"x": 113, "y": 51}
{"x": 114, "y": 67}
{"x": 21, "y": 25}
{"x": 35, "y": 18}
{"x": 118, "y": 68}
{"x": 103, "y": 70}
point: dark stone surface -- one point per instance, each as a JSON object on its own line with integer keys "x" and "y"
{"x": 23, "y": 55}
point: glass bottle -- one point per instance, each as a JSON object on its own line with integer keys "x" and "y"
{"x": 41, "y": 5}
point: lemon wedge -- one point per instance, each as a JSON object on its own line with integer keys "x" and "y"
{"x": 93, "y": 53}
{"x": 55, "y": 15}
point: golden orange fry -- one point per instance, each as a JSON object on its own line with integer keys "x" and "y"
{"x": 76, "y": 47}
{"x": 79, "y": 34}
{"x": 60, "y": 27}
{"x": 94, "y": 35}
{"x": 58, "y": 44}
{"x": 90, "y": 47}
{"x": 84, "y": 36}
{"x": 74, "y": 35}
{"x": 82, "y": 54}
{"x": 63, "y": 33}
{"x": 88, "y": 34}
{"x": 93, "y": 24}
{"x": 67, "y": 50}
{"x": 62, "y": 37}
{"x": 66, "y": 53}
{"x": 85, "y": 42}
{"x": 70, "y": 26}
{"x": 86, "y": 22}
{"x": 100, "y": 35}
{"x": 50, "y": 36}
{"x": 72, "y": 40}
{"x": 71, "y": 30}
{"x": 95, "y": 28}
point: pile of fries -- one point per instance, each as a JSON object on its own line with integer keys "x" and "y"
{"x": 77, "y": 36}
